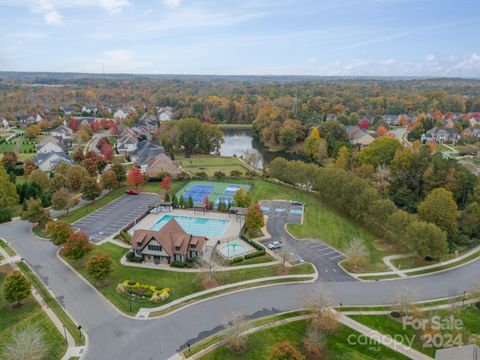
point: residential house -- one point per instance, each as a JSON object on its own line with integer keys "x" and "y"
{"x": 466, "y": 352}
{"x": 62, "y": 132}
{"x": 49, "y": 161}
{"x": 441, "y": 135}
{"x": 67, "y": 110}
{"x": 123, "y": 113}
{"x": 170, "y": 243}
{"x": 27, "y": 120}
{"x": 165, "y": 113}
{"x": 145, "y": 149}
{"x": 471, "y": 132}
{"x": 127, "y": 143}
{"x": 157, "y": 165}
{"x": 50, "y": 144}
{"x": 4, "y": 122}
{"x": 89, "y": 109}
{"x": 359, "y": 137}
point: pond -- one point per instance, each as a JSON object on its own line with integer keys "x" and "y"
{"x": 239, "y": 141}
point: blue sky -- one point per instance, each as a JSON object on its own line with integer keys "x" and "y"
{"x": 303, "y": 37}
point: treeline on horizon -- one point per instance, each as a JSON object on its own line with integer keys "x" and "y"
{"x": 240, "y": 99}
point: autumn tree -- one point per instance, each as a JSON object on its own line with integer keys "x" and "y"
{"x": 108, "y": 180}
{"x": 254, "y": 219}
{"x": 242, "y": 198}
{"x": 357, "y": 253}
{"x": 28, "y": 167}
{"x": 440, "y": 208}
{"x": 427, "y": 239}
{"x": 76, "y": 175}
{"x": 35, "y": 213}
{"x": 120, "y": 171}
{"x": 100, "y": 266}
{"x": 8, "y": 196}
{"x": 32, "y": 131}
{"x": 315, "y": 147}
{"x": 59, "y": 231}
{"x": 107, "y": 151}
{"x": 380, "y": 152}
{"x": 285, "y": 351}
{"x": 134, "y": 177}
{"x": 16, "y": 287}
{"x": 166, "y": 183}
{"x": 58, "y": 182}
{"x": 9, "y": 161}
{"x": 63, "y": 199}
{"x": 102, "y": 141}
{"x": 78, "y": 156}
{"x": 77, "y": 246}
{"x": 41, "y": 179}
{"x": 90, "y": 189}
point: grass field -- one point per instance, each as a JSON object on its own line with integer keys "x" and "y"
{"x": 337, "y": 346}
{"x": 210, "y": 164}
{"x": 181, "y": 283}
{"x": 219, "y": 191}
{"x": 30, "y": 313}
{"x": 19, "y": 144}
{"x": 322, "y": 222}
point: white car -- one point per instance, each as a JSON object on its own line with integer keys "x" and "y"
{"x": 274, "y": 245}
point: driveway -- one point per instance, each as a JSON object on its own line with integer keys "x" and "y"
{"x": 324, "y": 257}
{"x": 116, "y": 215}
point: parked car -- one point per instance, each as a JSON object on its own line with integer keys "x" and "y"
{"x": 133, "y": 192}
{"x": 274, "y": 245}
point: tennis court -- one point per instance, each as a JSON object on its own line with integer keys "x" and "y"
{"x": 215, "y": 191}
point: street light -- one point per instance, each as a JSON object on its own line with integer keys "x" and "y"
{"x": 79, "y": 327}
{"x": 132, "y": 300}
{"x": 65, "y": 333}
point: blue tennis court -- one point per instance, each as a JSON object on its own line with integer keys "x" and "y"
{"x": 231, "y": 189}
{"x": 198, "y": 192}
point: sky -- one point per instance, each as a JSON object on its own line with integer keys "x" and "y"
{"x": 230, "y": 37}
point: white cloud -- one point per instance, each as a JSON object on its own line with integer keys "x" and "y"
{"x": 172, "y": 3}
{"x": 50, "y": 14}
{"x": 116, "y": 61}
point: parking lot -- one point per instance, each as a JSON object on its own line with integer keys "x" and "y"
{"x": 324, "y": 257}
{"x": 113, "y": 217}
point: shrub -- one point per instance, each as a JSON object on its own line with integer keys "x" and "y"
{"x": 237, "y": 260}
{"x": 121, "y": 289}
{"x": 100, "y": 266}
{"x": 179, "y": 264}
{"x": 397, "y": 314}
{"x": 148, "y": 294}
{"x": 131, "y": 282}
{"x": 255, "y": 254}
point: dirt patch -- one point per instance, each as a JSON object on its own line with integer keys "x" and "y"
{"x": 282, "y": 270}
{"x": 209, "y": 283}
{"x": 383, "y": 245}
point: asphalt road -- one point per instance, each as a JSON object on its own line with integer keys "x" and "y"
{"x": 116, "y": 215}
{"x": 114, "y": 336}
{"x": 324, "y": 257}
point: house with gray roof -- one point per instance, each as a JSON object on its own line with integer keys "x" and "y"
{"x": 145, "y": 149}
{"x": 48, "y": 161}
{"x": 441, "y": 135}
{"x": 466, "y": 352}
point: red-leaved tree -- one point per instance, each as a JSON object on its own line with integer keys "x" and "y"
{"x": 107, "y": 151}
{"x": 364, "y": 123}
{"x": 134, "y": 177}
{"x": 166, "y": 183}
{"x": 73, "y": 124}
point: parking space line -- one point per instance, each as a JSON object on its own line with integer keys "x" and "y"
{"x": 335, "y": 257}
{"x": 325, "y": 248}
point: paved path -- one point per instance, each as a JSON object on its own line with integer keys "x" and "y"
{"x": 113, "y": 336}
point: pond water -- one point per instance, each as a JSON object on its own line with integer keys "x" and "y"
{"x": 239, "y": 141}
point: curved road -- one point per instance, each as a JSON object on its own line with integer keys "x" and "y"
{"x": 113, "y": 336}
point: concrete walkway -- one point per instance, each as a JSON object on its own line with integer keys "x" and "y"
{"x": 383, "y": 339}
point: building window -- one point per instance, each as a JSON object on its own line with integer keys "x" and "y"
{"x": 155, "y": 247}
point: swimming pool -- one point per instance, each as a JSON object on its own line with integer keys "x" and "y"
{"x": 195, "y": 225}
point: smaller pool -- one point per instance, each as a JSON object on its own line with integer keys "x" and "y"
{"x": 232, "y": 250}
{"x": 265, "y": 208}
{"x": 195, "y": 225}
{"x": 296, "y": 211}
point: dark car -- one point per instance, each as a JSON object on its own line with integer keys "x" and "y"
{"x": 133, "y": 192}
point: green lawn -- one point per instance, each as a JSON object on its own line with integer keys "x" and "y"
{"x": 386, "y": 324}
{"x": 53, "y": 304}
{"x": 89, "y": 208}
{"x": 210, "y": 164}
{"x": 181, "y": 283}
{"x": 322, "y": 221}
{"x": 30, "y": 313}
{"x": 7, "y": 248}
{"x": 20, "y": 144}
{"x": 261, "y": 343}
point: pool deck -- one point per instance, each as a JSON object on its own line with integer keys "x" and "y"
{"x": 231, "y": 232}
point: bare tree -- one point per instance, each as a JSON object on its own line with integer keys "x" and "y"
{"x": 235, "y": 341}
{"x": 208, "y": 267}
{"x": 381, "y": 178}
{"x": 357, "y": 253}
{"x": 252, "y": 158}
{"x": 26, "y": 344}
{"x": 404, "y": 301}
{"x": 313, "y": 342}
{"x": 320, "y": 304}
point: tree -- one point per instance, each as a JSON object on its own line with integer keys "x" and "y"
{"x": 236, "y": 342}
{"x": 219, "y": 175}
{"x": 343, "y": 159}
{"x": 380, "y": 152}
{"x": 235, "y": 174}
{"x": 63, "y": 199}
{"x": 35, "y": 213}
{"x": 108, "y": 180}
{"x": 8, "y": 195}
{"x": 120, "y": 171}
{"x": 73, "y": 124}
{"x": 9, "y": 161}
{"x": 59, "y": 231}
{"x": 335, "y": 134}
{"x": 76, "y": 176}
{"x": 107, "y": 151}
{"x": 134, "y": 177}
{"x": 28, "y": 167}
{"x": 313, "y": 342}
{"x": 315, "y": 147}
{"x": 78, "y": 156}
{"x": 166, "y": 183}
{"x": 440, "y": 208}
{"x": 190, "y": 203}
{"x": 242, "y": 198}
{"x": 427, "y": 239}
{"x": 58, "y": 182}
{"x": 40, "y": 178}
{"x": 90, "y": 189}
{"x": 254, "y": 219}
{"x": 77, "y": 246}
{"x": 102, "y": 141}
{"x": 26, "y": 344}
{"x": 16, "y": 287}
{"x": 285, "y": 351}
{"x": 32, "y": 131}
{"x": 99, "y": 266}
{"x": 357, "y": 253}
{"x": 252, "y": 158}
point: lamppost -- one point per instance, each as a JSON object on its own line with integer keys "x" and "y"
{"x": 79, "y": 327}
{"x": 132, "y": 300}
{"x": 65, "y": 333}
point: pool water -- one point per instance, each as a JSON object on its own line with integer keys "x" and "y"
{"x": 195, "y": 225}
{"x": 230, "y": 251}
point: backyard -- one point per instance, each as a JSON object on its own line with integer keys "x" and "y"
{"x": 21, "y": 145}
{"x": 30, "y": 313}
{"x": 181, "y": 283}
